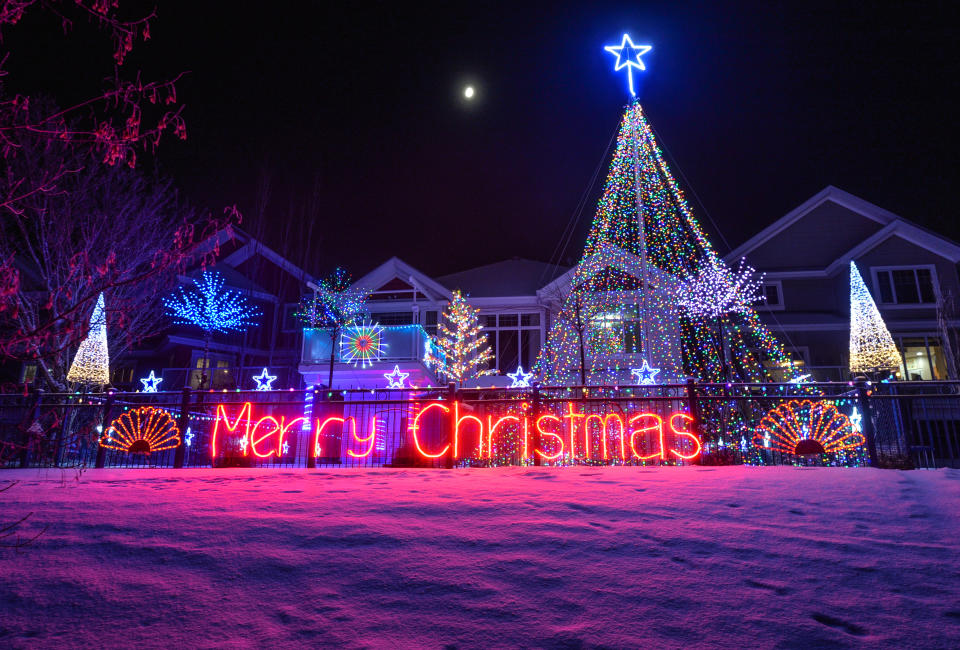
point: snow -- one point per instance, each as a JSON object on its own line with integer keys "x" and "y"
{"x": 575, "y": 557}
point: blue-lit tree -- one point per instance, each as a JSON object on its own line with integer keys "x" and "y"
{"x": 212, "y": 308}
{"x": 336, "y": 304}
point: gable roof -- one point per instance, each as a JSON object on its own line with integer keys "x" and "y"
{"x": 611, "y": 256}
{"x": 397, "y": 268}
{"x": 891, "y": 225}
{"x": 515, "y": 277}
{"x": 251, "y": 246}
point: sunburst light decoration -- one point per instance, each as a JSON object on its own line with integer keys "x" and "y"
{"x": 362, "y": 344}
{"x": 806, "y": 427}
{"x": 143, "y": 430}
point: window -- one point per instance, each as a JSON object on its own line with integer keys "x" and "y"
{"x": 923, "y": 358}
{"x": 219, "y": 374}
{"x": 905, "y": 285}
{"x": 291, "y": 322}
{"x": 514, "y": 339}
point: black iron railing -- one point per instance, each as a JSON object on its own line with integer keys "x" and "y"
{"x": 903, "y": 424}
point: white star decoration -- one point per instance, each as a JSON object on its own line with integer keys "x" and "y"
{"x": 395, "y": 378}
{"x": 188, "y": 437}
{"x": 856, "y": 420}
{"x": 645, "y": 374}
{"x": 150, "y": 383}
{"x": 264, "y": 380}
{"x": 243, "y": 444}
{"x": 520, "y": 378}
{"x": 631, "y": 59}
{"x": 285, "y": 448}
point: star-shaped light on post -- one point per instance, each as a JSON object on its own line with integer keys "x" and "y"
{"x": 520, "y": 378}
{"x": 395, "y": 378}
{"x": 264, "y": 380}
{"x": 629, "y": 59}
{"x": 150, "y": 383}
{"x": 856, "y": 420}
{"x": 645, "y": 374}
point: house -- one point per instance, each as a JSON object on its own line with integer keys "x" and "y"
{"x": 407, "y": 304}
{"x": 267, "y": 280}
{"x": 911, "y": 273}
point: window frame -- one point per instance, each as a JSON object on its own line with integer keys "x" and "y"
{"x": 763, "y": 305}
{"x": 878, "y": 295}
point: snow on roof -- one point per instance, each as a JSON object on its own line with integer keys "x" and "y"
{"x": 516, "y": 277}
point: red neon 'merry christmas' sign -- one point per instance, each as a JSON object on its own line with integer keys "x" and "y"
{"x": 549, "y": 435}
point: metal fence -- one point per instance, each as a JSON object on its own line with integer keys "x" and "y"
{"x": 904, "y": 424}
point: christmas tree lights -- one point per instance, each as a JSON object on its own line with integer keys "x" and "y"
{"x": 871, "y": 347}
{"x": 91, "y": 365}
{"x": 644, "y": 251}
{"x": 465, "y": 351}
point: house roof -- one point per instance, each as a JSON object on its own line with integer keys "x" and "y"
{"x": 888, "y": 225}
{"x": 397, "y": 268}
{"x": 515, "y": 277}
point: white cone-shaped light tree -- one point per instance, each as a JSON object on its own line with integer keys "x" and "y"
{"x": 92, "y": 363}
{"x": 871, "y": 347}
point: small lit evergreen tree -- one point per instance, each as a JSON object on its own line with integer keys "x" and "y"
{"x": 871, "y": 347}
{"x": 92, "y": 363}
{"x": 465, "y": 350}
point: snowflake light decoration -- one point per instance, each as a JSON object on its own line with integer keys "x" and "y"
{"x": 362, "y": 344}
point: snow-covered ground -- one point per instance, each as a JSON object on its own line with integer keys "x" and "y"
{"x": 620, "y": 557}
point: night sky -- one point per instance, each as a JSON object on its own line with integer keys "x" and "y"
{"x": 758, "y": 106}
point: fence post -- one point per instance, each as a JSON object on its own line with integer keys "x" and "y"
{"x": 694, "y": 405}
{"x": 183, "y": 423}
{"x": 312, "y": 438}
{"x": 451, "y": 400}
{"x": 536, "y": 417}
{"x": 33, "y": 415}
{"x": 863, "y": 397}
{"x": 104, "y": 424}
{"x": 68, "y": 411}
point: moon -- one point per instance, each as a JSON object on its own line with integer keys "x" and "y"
{"x": 469, "y": 92}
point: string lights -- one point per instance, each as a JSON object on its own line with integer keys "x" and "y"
{"x": 211, "y": 307}
{"x": 871, "y": 347}
{"x": 143, "y": 430}
{"x": 91, "y": 365}
{"x": 460, "y": 351}
{"x": 716, "y": 291}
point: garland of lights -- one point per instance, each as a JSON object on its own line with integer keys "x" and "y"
{"x": 143, "y": 430}
{"x": 871, "y": 347}
{"x": 362, "y": 344}
{"x": 91, "y": 365}
{"x": 806, "y": 427}
{"x": 460, "y": 351}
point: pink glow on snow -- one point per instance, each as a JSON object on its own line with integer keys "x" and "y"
{"x": 619, "y": 557}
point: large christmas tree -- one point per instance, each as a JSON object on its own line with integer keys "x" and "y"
{"x": 624, "y": 306}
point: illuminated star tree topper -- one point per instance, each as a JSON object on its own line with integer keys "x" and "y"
{"x": 628, "y": 56}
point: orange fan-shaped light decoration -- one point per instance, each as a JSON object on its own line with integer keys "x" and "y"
{"x": 806, "y": 427}
{"x": 143, "y": 430}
